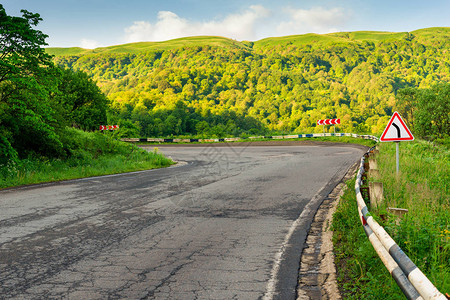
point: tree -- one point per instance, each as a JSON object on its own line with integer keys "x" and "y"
{"x": 21, "y": 54}
{"x": 427, "y": 110}
{"x": 407, "y": 103}
{"x": 27, "y": 121}
{"x": 433, "y": 111}
{"x": 85, "y": 105}
{"x": 202, "y": 127}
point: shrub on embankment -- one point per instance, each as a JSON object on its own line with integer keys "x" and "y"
{"x": 423, "y": 233}
{"x": 89, "y": 154}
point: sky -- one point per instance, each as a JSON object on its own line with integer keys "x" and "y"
{"x": 98, "y": 23}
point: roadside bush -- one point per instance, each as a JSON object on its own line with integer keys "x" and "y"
{"x": 87, "y": 154}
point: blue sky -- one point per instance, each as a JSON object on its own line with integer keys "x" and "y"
{"x": 94, "y": 23}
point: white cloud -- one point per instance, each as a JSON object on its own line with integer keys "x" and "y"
{"x": 241, "y": 26}
{"x": 89, "y": 44}
{"x": 251, "y": 24}
{"x": 317, "y": 20}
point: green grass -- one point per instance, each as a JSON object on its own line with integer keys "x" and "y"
{"x": 376, "y": 36}
{"x": 300, "y": 40}
{"x": 431, "y": 35}
{"x": 148, "y": 46}
{"x": 91, "y": 154}
{"x": 422, "y": 187}
{"x": 360, "y": 273}
{"x": 73, "y": 51}
{"x": 423, "y": 233}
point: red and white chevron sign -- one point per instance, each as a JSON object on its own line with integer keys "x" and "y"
{"x": 329, "y": 122}
{"x": 109, "y": 127}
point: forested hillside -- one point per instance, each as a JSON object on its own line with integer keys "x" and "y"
{"x": 217, "y": 86}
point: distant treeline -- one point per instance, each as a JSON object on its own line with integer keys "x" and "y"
{"x": 275, "y": 86}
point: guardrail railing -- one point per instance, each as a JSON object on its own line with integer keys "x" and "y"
{"x": 279, "y": 137}
{"x": 413, "y": 283}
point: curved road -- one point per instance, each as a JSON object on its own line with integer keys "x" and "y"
{"x": 226, "y": 223}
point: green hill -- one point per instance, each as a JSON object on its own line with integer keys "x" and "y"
{"x": 428, "y": 36}
{"x": 66, "y": 51}
{"x": 196, "y": 41}
{"x": 423, "y": 35}
{"x": 219, "y": 86}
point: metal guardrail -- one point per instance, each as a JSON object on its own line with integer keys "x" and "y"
{"x": 413, "y": 283}
{"x": 292, "y": 136}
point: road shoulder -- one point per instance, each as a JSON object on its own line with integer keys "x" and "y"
{"x": 317, "y": 276}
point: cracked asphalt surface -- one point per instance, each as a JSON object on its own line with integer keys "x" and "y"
{"x": 218, "y": 226}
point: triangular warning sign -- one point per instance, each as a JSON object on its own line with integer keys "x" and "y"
{"x": 396, "y": 130}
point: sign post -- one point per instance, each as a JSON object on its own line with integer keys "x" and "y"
{"x": 396, "y": 131}
{"x": 329, "y": 122}
{"x": 397, "y": 156}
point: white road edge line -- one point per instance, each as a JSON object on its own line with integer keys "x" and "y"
{"x": 271, "y": 284}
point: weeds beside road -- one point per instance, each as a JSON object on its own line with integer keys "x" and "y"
{"x": 423, "y": 233}
{"x": 92, "y": 154}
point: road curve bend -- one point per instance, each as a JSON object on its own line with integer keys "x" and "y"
{"x": 229, "y": 222}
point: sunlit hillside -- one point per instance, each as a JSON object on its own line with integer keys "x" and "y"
{"x": 223, "y": 87}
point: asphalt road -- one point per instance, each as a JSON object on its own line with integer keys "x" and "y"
{"x": 228, "y": 223}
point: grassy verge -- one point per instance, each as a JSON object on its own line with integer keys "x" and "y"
{"x": 423, "y": 233}
{"x": 90, "y": 154}
{"x": 360, "y": 273}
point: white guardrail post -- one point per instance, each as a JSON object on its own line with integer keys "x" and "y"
{"x": 413, "y": 283}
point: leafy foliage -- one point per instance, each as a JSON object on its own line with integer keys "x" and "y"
{"x": 83, "y": 102}
{"x": 21, "y": 54}
{"x": 90, "y": 154}
{"x": 27, "y": 119}
{"x": 278, "y": 84}
{"x": 427, "y": 110}
{"x": 37, "y": 99}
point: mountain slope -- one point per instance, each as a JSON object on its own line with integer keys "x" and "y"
{"x": 224, "y": 87}
{"x": 427, "y": 35}
{"x": 196, "y": 41}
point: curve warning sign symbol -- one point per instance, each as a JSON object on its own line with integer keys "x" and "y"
{"x": 396, "y": 130}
